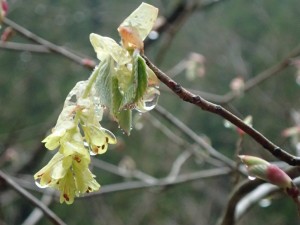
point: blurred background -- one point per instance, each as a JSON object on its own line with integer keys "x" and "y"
{"x": 212, "y": 48}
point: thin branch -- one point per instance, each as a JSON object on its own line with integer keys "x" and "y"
{"x": 245, "y": 187}
{"x": 133, "y": 185}
{"x": 192, "y": 135}
{"x": 36, "y": 215}
{"x": 264, "y": 75}
{"x": 178, "y": 163}
{"x": 50, "y": 46}
{"x": 12, "y": 46}
{"x": 122, "y": 172}
{"x": 34, "y": 201}
{"x": 205, "y": 105}
{"x": 177, "y": 13}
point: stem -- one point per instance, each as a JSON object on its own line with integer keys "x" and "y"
{"x": 48, "y": 213}
{"x": 205, "y": 105}
{"x": 92, "y": 80}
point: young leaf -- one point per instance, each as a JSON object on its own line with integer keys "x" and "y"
{"x": 103, "y": 84}
{"x": 141, "y": 71}
{"x": 142, "y": 20}
{"x": 137, "y": 85}
{"x": 106, "y": 46}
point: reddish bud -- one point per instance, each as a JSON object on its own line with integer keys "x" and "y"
{"x": 278, "y": 177}
{"x": 7, "y": 34}
{"x": 4, "y": 6}
{"x": 88, "y": 63}
{"x": 288, "y": 132}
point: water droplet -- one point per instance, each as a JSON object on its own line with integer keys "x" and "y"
{"x": 153, "y": 35}
{"x": 39, "y": 185}
{"x": 149, "y": 100}
{"x": 265, "y": 203}
{"x": 92, "y": 153}
{"x": 227, "y": 124}
{"x": 251, "y": 177}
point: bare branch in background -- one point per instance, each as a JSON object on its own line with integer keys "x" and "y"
{"x": 33, "y": 200}
{"x": 205, "y": 105}
{"x": 50, "y": 46}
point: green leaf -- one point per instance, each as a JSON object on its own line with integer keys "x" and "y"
{"x": 124, "y": 118}
{"x": 142, "y": 19}
{"x": 103, "y": 84}
{"x": 141, "y": 70}
{"x": 107, "y": 87}
{"x": 137, "y": 84}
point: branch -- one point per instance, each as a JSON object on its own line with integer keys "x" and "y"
{"x": 192, "y": 135}
{"x": 51, "y": 215}
{"x": 247, "y": 186}
{"x": 264, "y": 75}
{"x": 48, "y": 45}
{"x": 24, "y": 47}
{"x": 163, "y": 182}
{"x": 205, "y": 105}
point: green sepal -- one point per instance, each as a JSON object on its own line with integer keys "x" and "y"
{"x": 123, "y": 117}
{"x": 103, "y": 84}
{"x": 137, "y": 85}
{"x": 141, "y": 71}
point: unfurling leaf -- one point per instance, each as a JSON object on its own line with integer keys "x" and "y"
{"x": 136, "y": 27}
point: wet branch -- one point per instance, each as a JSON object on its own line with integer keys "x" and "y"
{"x": 205, "y": 105}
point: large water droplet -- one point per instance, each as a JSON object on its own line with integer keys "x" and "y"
{"x": 251, "y": 177}
{"x": 149, "y": 100}
{"x": 265, "y": 202}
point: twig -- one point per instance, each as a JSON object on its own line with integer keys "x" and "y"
{"x": 192, "y": 135}
{"x": 50, "y": 214}
{"x": 264, "y": 75}
{"x": 177, "y": 164}
{"x": 205, "y": 105}
{"x": 50, "y": 46}
{"x": 24, "y": 47}
{"x": 37, "y": 214}
{"x": 245, "y": 187}
{"x": 122, "y": 172}
{"x": 133, "y": 185}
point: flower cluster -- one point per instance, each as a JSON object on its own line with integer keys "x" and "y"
{"x": 121, "y": 82}
{"x": 77, "y": 134}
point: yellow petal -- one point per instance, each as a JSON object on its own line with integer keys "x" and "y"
{"x": 105, "y": 46}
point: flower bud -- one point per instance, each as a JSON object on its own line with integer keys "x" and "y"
{"x": 264, "y": 170}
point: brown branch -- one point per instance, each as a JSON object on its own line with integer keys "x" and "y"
{"x": 177, "y": 13}
{"x": 34, "y": 201}
{"x": 24, "y": 47}
{"x": 264, "y": 75}
{"x": 50, "y": 46}
{"x": 205, "y": 105}
{"x": 228, "y": 217}
{"x": 192, "y": 135}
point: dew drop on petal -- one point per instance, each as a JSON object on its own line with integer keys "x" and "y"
{"x": 149, "y": 101}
